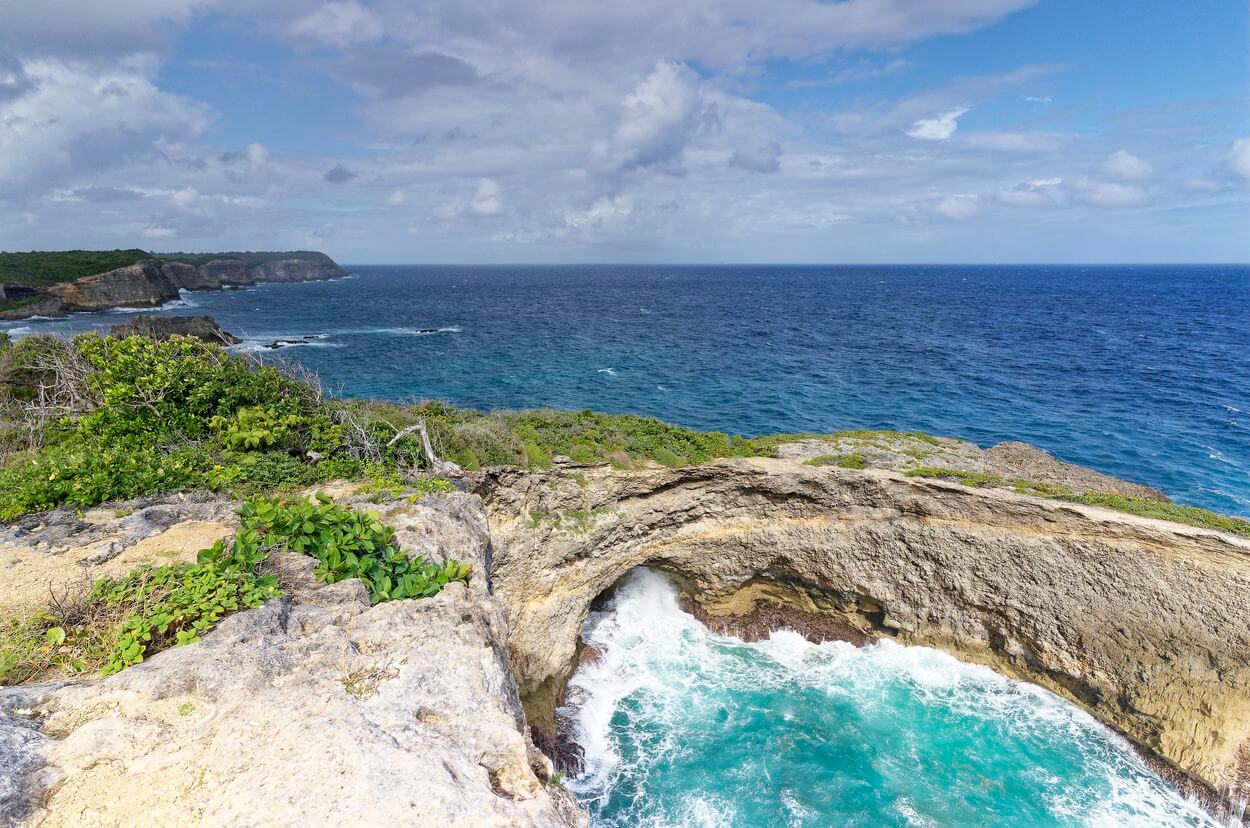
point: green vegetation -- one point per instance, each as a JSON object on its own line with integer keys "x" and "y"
{"x": 249, "y": 258}
{"x": 1176, "y": 513}
{"x": 43, "y": 269}
{"x": 121, "y": 621}
{"x": 534, "y": 438}
{"x": 347, "y": 544}
{"x": 171, "y": 605}
{"x": 96, "y": 419}
{"x": 93, "y": 419}
{"x": 842, "y": 461}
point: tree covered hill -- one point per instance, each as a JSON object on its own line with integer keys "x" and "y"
{"x": 40, "y": 269}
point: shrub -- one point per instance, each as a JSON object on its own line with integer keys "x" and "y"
{"x": 254, "y": 428}
{"x": 842, "y": 461}
{"x": 347, "y": 544}
{"x": 171, "y": 605}
{"x": 87, "y": 475}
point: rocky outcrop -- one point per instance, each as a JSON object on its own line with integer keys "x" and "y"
{"x": 1022, "y": 460}
{"x": 909, "y": 451}
{"x": 163, "y": 327}
{"x": 153, "y": 282}
{"x": 144, "y": 284}
{"x": 315, "y": 709}
{"x": 1143, "y": 623}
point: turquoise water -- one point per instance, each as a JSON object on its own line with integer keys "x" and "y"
{"x": 683, "y": 727}
{"x": 1137, "y": 371}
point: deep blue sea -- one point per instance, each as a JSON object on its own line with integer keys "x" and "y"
{"x": 1139, "y": 371}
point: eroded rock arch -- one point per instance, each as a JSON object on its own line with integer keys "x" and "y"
{"x": 1143, "y": 623}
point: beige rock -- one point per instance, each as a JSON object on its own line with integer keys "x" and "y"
{"x": 33, "y": 576}
{"x": 1143, "y": 623}
{"x": 316, "y": 711}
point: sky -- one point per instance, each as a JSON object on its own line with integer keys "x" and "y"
{"x": 409, "y": 131}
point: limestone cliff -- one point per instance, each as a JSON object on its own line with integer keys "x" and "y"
{"x": 1143, "y": 623}
{"x": 144, "y": 284}
{"x": 155, "y": 281}
{"x": 318, "y": 709}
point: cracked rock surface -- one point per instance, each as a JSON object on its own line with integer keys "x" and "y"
{"x": 315, "y": 709}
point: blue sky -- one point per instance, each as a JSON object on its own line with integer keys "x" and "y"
{"x": 739, "y": 130}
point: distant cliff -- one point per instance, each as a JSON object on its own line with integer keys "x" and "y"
{"x": 53, "y": 284}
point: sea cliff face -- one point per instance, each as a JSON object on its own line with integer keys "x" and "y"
{"x": 144, "y": 284}
{"x": 1141, "y": 622}
{"x": 153, "y": 282}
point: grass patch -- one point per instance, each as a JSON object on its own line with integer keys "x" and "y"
{"x": 1191, "y": 515}
{"x": 842, "y": 461}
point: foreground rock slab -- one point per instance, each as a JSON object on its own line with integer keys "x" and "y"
{"x": 315, "y": 709}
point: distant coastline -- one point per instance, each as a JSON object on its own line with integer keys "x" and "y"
{"x": 59, "y": 283}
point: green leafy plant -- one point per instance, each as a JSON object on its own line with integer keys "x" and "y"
{"x": 348, "y": 544}
{"x": 177, "y": 604}
{"x": 254, "y": 428}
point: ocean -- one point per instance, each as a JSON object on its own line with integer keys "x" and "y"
{"x": 1142, "y": 372}
{"x": 683, "y": 727}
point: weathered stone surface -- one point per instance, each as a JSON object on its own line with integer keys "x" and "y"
{"x": 163, "y": 327}
{"x": 905, "y": 451}
{"x": 1022, "y": 460}
{"x": 888, "y": 450}
{"x": 316, "y": 709}
{"x": 217, "y": 274}
{"x": 221, "y": 273}
{"x": 1144, "y": 623}
{"x": 144, "y": 284}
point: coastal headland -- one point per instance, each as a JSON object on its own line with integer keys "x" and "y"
{"x": 58, "y": 283}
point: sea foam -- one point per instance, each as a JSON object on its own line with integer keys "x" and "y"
{"x": 673, "y": 719}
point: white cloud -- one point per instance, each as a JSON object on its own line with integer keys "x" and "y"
{"x": 153, "y": 231}
{"x": 486, "y": 202}
{"x": 658, "y": 119}
{"x": 1022, "y": 142}
{"x": 959, "y": 206}
{"x": 339, "y": 23}
{"x": 1108, "y": 194}
{"x": 938, "y": 128}
{"x": 1124, "y": 166}
{"x": 397, "y": 198}
{"x": 73, "y": 119}
{"x": 765, "y": 159}
{"x": 604, "y": 212}
{"x": 257, "y": 154}
{"x": 1041, "y": 192}
{"x": 1238, "y": 159}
